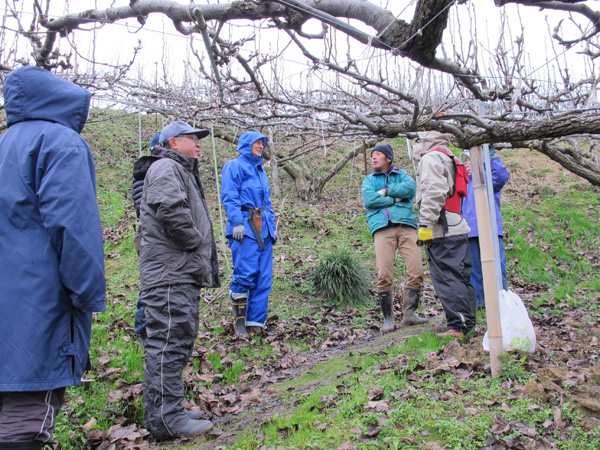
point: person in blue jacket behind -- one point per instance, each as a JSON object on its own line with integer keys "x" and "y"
{"x": 52, "y": 264}
{"x": 250, "y": 231}
{"x": 137, "y": 189}
{"x": 500, "y": 177}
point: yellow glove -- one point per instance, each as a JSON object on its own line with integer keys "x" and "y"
{"x": 425, "y": 236}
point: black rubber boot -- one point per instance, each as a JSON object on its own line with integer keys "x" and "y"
{"x": 20, "y": 445}
{"x": 239, "y": 312}
{"x": 411, "y": 299}
{"x": 386, "y": 303}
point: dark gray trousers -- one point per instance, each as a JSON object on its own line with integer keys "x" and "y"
{"x": 29, "y": 416}
{"x": 172, "y": 327}
{"x": 450, "y": 267}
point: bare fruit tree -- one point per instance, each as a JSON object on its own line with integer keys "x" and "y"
{"x": 370, "y": 74}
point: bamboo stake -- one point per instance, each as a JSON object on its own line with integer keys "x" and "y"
{"x": 488, "y": 260}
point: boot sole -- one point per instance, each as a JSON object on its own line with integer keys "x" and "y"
{"x": 197, "y": 433}
{"x": 411, "y": 323}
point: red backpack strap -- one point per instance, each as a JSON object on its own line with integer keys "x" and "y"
{"x": 455, "y": 164}
{"x": 453, "y": 201}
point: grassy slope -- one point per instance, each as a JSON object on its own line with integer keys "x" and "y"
{"x": 553, "y": 230}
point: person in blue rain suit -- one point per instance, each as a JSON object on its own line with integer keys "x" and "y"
{"x": 500, "y": 176}
{"x": 52, "y": 264}
{"x": 251, "y": 232}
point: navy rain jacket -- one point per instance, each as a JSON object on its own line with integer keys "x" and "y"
{"x": 51, "y": 251}
{"x": 245, "y": 184}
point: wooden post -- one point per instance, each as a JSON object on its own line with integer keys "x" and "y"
{"x": 365, "y": 155}
{"x": 488, "y": 260}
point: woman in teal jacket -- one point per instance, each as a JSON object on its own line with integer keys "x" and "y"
{"x": 388, "y": 194}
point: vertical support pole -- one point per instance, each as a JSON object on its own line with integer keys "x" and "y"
{"x": 411, "y": 155}
{"x": 488, "y": 260}
{"x": 365, "y": 155}
{"x": 140, "y": 108}
{"x": 212, "y": 135}
{"x": 156, "y": 91}
{"x": 274, "y": 165}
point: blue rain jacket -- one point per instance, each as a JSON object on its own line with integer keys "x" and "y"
{"x": 397, "y": 206}
{"x": 245, "y": 184}
{"x": 52, "y": 260}
{"x": 500, "y": 176}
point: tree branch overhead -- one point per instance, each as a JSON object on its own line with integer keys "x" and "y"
{"x": 425, "y": 69}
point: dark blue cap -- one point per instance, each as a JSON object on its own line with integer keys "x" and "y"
{"x": 386, "y": 149}
{"x": 178, "y": 128}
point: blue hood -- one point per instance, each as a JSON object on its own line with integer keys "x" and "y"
{"x": 247, "y": 139}
{"x": 31, "y": 93}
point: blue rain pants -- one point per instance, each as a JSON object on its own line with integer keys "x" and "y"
{"x": 253, "y": 273}
{"x": 477, "y": 273}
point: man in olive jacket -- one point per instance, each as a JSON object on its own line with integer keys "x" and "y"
{"x": 388, "y": 196}
{"x": 177, "y": 257}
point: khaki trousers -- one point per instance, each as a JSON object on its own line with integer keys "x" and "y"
{"x": 401, "y": 238}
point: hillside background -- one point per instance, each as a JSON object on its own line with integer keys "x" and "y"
{"x": 325, "y": 377}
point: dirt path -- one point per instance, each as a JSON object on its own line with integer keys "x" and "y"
{"x": 268, "y": 402}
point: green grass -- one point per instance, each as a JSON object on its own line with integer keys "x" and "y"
{"x": 554, "y": 242}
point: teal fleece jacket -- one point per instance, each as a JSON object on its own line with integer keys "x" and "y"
{"x": 396, "y": 206}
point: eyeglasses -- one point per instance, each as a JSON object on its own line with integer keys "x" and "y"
{"x": 193, "y": 137}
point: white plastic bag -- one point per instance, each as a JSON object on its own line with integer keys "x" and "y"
{"x": 517, "y": 329}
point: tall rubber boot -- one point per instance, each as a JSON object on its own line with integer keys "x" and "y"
{"x": 386, "y": 303}
{"x": 411, "y": 299}
{"x": 20, "y": 445}
{"x": 238, "y": 307}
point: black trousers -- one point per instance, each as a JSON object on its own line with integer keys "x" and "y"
{"x": 172, "y": 327}
{"x": 450, "y": 267}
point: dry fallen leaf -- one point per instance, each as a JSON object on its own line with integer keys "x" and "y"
{"x": 89, "y": 425}
{"x": 500, "y": 425}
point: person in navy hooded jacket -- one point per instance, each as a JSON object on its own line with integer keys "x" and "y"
{"x": 251, "y": 233}
{"x": 52, "y": 265}
{"x": 500, "y": 176}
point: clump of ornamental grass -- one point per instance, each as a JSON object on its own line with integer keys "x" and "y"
{"x": 341, "y": 278}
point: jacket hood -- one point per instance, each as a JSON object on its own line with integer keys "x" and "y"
{"x": 247, "y": 139}
{"x": 188, "y": 162}
{"x": 31, "y": 93}
{"x": 431, "y": 140}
